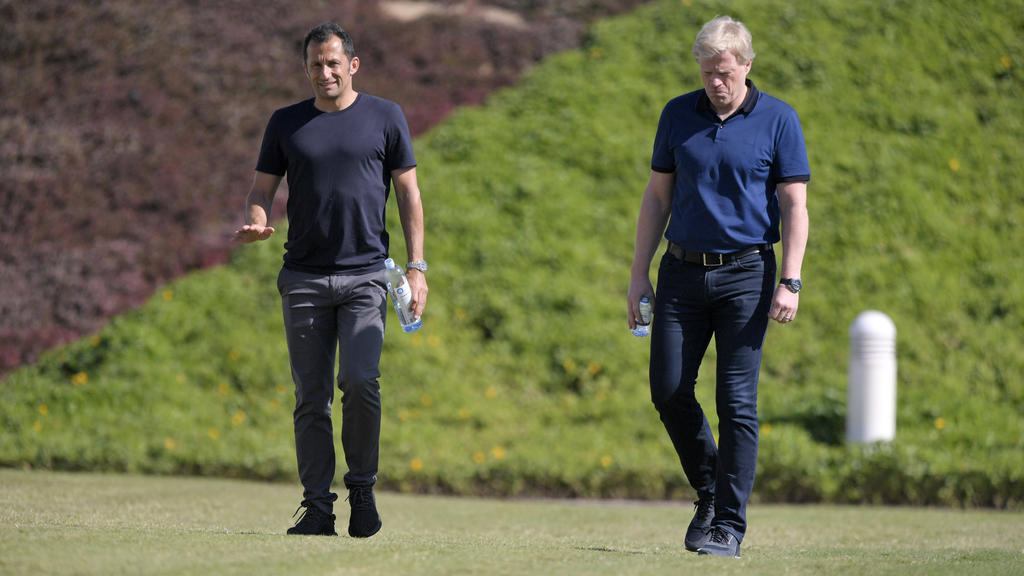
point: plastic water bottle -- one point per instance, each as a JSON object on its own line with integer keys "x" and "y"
{"x": 401, "y": 296}
{"x": 643, "y": 327}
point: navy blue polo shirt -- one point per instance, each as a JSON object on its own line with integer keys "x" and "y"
{"x": 338, "y": 167}
{"x": 724, "y": 198}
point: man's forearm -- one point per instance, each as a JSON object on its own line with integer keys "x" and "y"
{"x": 261, "y": 198}
{"x": 256, "y": 212}
{"x": 654, "y": 212}
{"x": 411, "y": 215}
{"x": 795, "y": 227}
{"x": 410, "y": 211}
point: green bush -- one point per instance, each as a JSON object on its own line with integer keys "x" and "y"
{"x": 524, "y": 379}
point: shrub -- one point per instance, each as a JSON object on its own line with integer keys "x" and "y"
{"x": 524, "y": 379}
{"x": 134, "y": 171}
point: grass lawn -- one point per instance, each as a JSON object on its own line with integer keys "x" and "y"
{"x": 60, "y": 523}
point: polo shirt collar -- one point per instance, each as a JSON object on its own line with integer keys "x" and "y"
{"x": 704, "y": 103}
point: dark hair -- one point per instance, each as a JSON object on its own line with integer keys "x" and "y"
{"x": 322, "y": 33}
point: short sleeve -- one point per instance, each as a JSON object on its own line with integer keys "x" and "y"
{"x": 272, "y": 159}
{"x": 791, "y": 163}
{"x": 399, "y": 142}
{"x": 662, "y": 159}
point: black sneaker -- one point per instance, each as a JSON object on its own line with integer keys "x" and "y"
{"x": 697, "y": 532}
{"x": 364, "y": 521}
{"x": 721, "y": 542}
{"x": 313, "y": 522}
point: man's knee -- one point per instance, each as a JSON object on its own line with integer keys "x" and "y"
{"x": 361, "y": 385}
{"x": 682, "y": 399}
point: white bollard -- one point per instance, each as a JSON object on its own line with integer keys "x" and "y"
{"x": 871, "y": 393}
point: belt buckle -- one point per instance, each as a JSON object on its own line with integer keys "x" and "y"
{"x": 704, "y": 260}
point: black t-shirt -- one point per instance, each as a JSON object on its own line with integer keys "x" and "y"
{"x": 338, "y": 167}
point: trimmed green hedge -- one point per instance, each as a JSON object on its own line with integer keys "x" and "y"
{"x": 525, "y": 379}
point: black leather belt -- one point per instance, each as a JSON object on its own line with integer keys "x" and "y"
{"x": 711, "y": 259}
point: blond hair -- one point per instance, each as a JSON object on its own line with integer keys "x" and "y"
{"x": 723, "y": 34}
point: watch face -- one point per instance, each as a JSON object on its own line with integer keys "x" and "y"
{"x": 795, "y": 285}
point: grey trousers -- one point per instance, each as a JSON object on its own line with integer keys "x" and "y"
{"x": 328, "y": 316}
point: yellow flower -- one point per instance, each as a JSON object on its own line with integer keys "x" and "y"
{"x": 596, "y": 53}
{"x": 498, "y": 452}
{"x": 37, "y": 426}
{"x": 479, "y": 457}
{"x": 223, "y": 388}
{"x": 416, "y": 464}
{"x": 491, "y": 392}
{"x": 594, "y": 368}
{"x": 169, "y": 443}
{"x": 95, "y": 341}
{"x": 213, "y": 433}
{"x": 80, "y": 379}
{"x": 940, "y": 423}
{"x": 168, "y": 295}
{"x": 687, "y": 3}
{"x": 281, "y": 388}
{"x": 766, "y": 429}
{"x": 427, "y": 401}
{"x": 606, "y": 461}
{"x": 463, "y": 414}
{"x": 43, "y": 409}
{"x": 954, "y": 164}
{"x": 238, "y": 418}
{"x": 569, "y": 365}
{"x": 234, "y": 354}
{"x": 1006, "y": 62}
{"x": 403, "y": 415}
{"x": 460, "y": 313}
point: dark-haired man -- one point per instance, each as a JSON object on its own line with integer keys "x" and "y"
{"x": 340, "y": 150}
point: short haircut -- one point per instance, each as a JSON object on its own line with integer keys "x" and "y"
{"x": 322, "y": 33}
{"x": 723, "y": 34}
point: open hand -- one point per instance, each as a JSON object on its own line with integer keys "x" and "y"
{"x": 253, "y": 233}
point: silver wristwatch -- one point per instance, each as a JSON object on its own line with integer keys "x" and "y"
{"x": 420, "y": 265}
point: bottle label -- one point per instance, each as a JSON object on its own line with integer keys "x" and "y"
{"x": 404, "y": 295}
{"x": 643, "y": 327}
{"x": 645, "y": 312}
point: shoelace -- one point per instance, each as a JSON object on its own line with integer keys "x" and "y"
{"x": 704, "y": 506}
{"x": 361, "y": 498}
{"x": 719, "y": 536}
{"x": 311, "y": 512}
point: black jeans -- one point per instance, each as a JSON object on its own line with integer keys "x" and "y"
{"x": 731, "y": 303}
{"x": 325, "y": 317}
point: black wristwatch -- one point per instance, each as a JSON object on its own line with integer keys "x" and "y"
{"x": 793, "y": 284}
